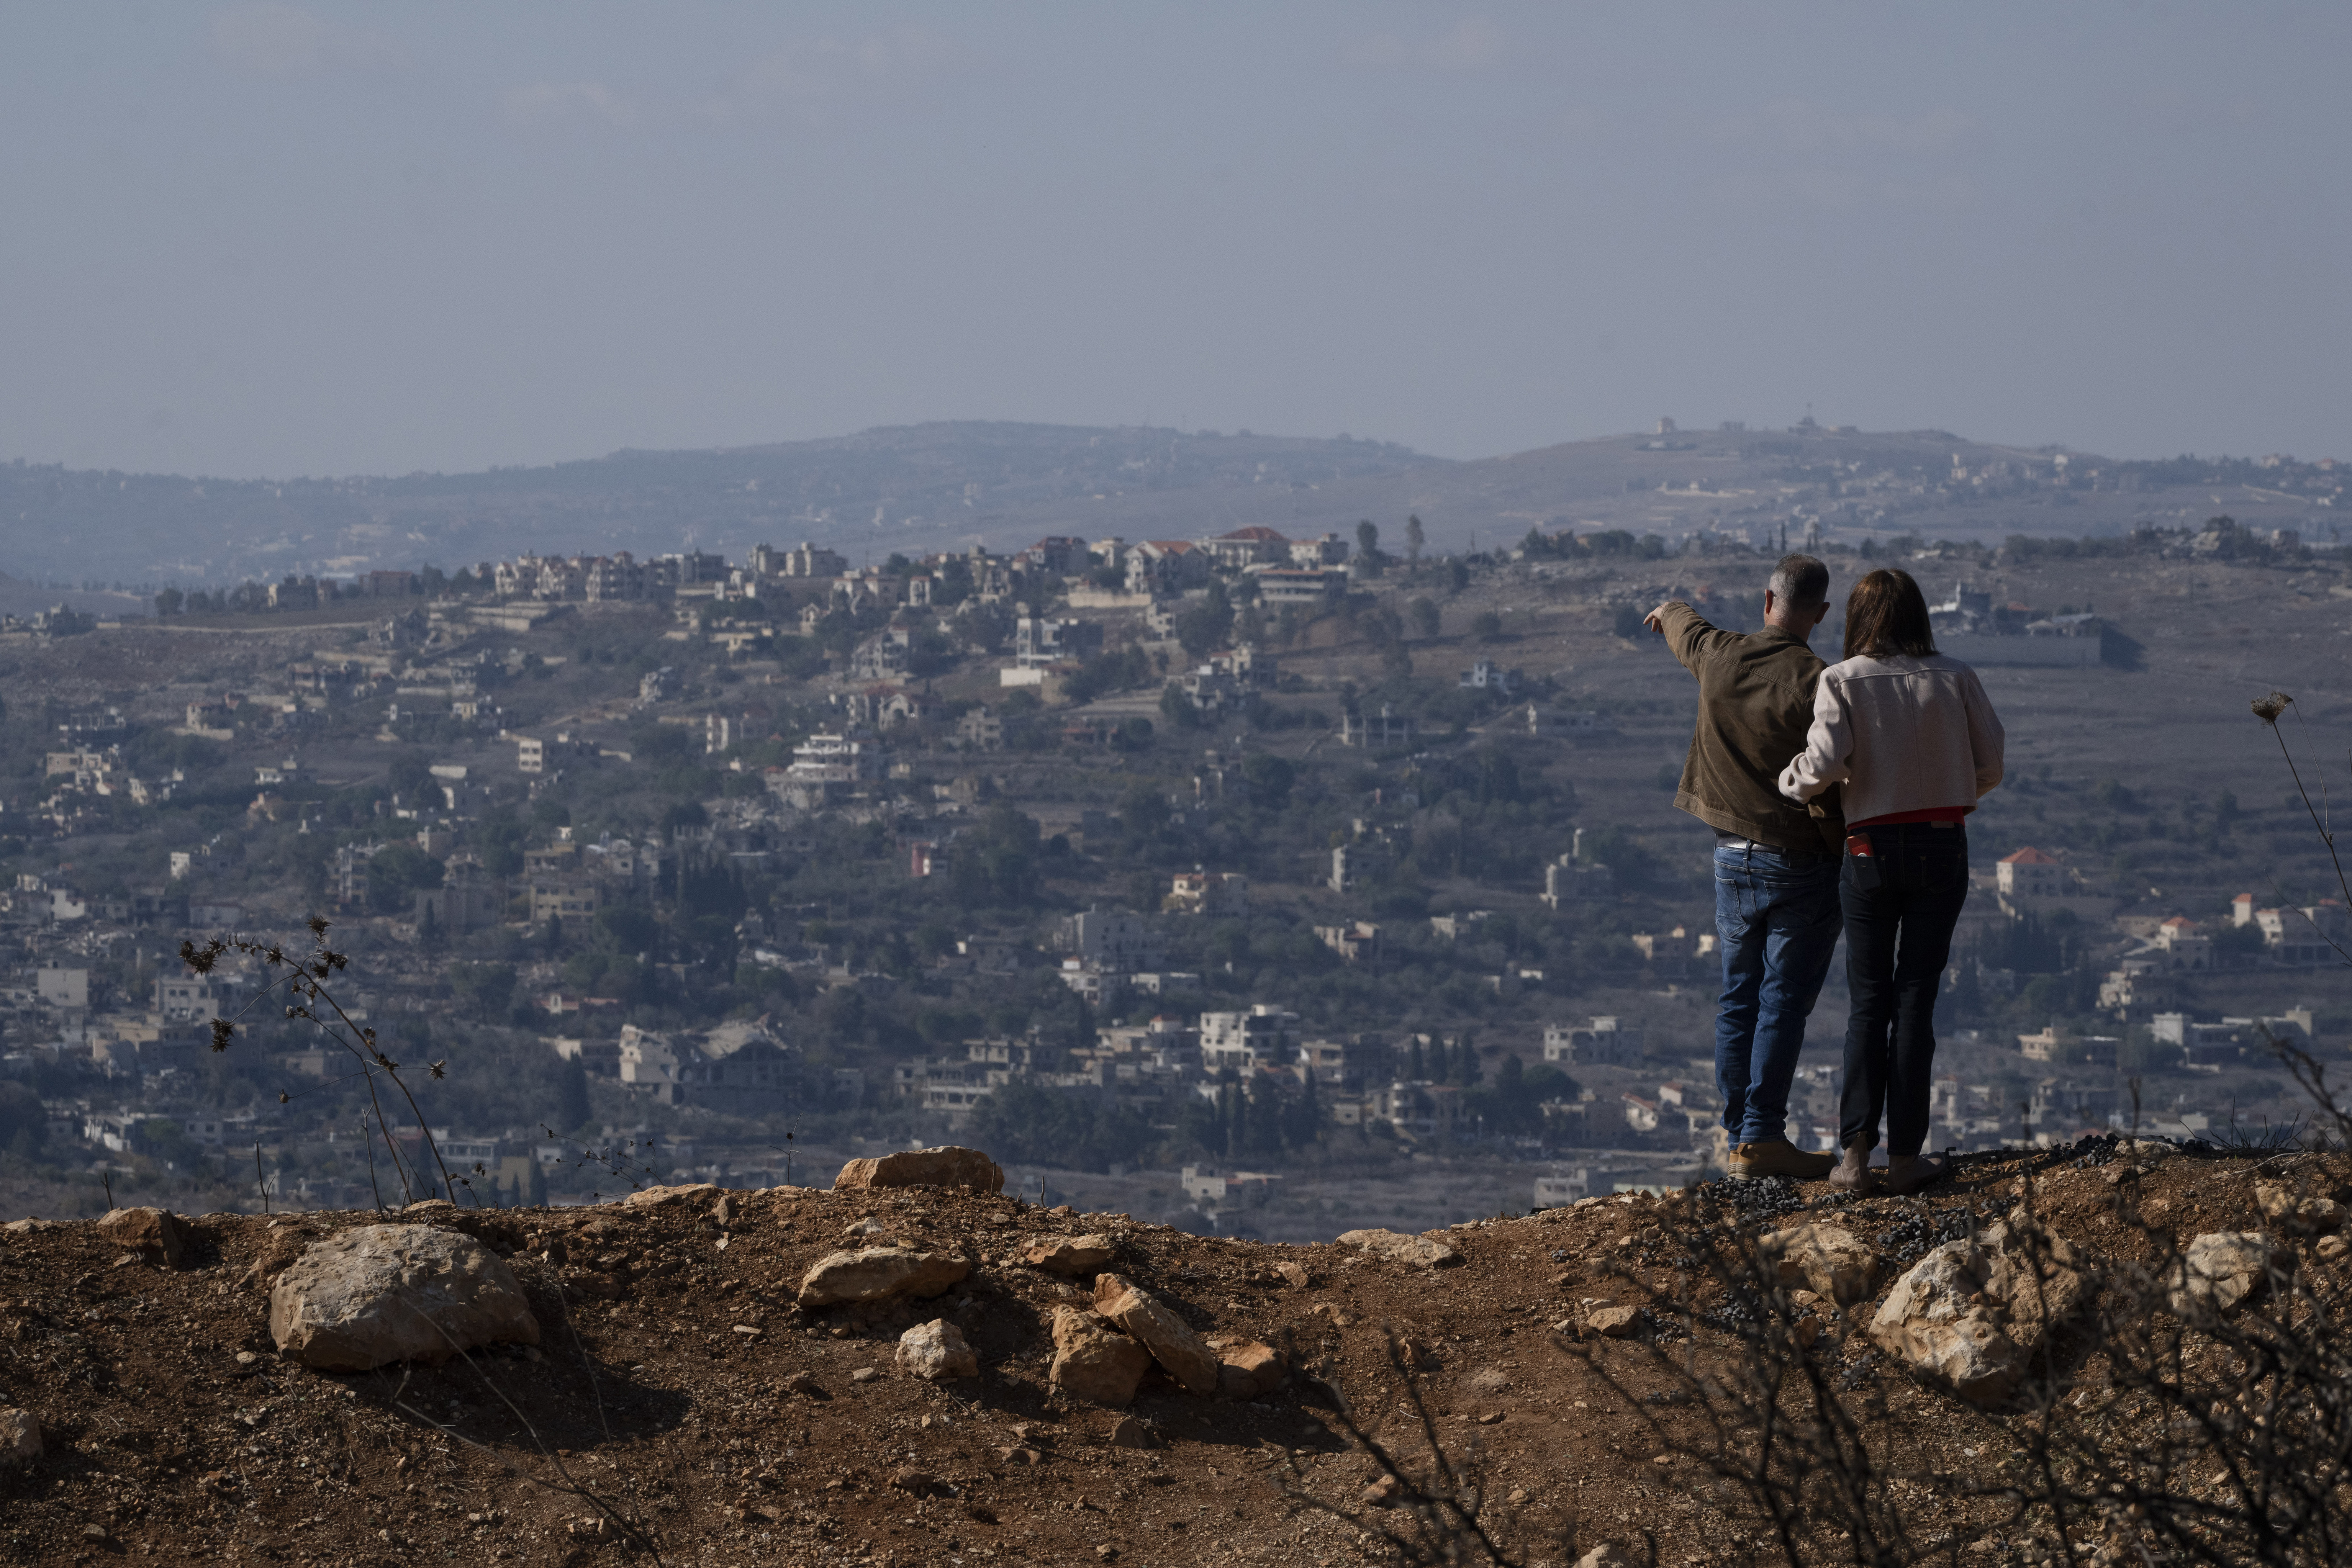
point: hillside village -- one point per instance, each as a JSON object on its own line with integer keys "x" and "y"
{"x": 1264, "y": 884}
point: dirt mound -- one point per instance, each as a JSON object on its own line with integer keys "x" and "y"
{"x": 680, "y": 1394}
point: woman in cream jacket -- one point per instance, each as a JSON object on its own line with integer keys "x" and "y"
{"x": 1911, "y": 735}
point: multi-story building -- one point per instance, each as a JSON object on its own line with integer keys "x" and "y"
{"x": 1264, "y": 1037}
{"x": 1601, "y": 1042}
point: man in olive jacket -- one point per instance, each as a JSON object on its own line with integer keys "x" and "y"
{"x": 1776, "y": 864}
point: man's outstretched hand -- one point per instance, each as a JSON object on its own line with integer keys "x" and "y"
{"x": 1655, "y": 619}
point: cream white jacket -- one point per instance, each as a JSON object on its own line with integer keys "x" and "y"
{"x": 1902, "y": 735}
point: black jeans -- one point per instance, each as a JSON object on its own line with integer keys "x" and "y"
{"x": 1897, "y": 938}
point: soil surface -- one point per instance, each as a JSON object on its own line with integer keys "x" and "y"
{"x": 677, "y": 1382}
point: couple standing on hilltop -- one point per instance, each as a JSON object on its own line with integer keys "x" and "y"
{"x": 1837, "y": 794}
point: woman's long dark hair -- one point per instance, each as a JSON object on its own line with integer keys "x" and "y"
{"x": 1887, "y": 614}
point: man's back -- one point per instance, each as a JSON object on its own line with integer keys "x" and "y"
{"x": 1756, "y": 705}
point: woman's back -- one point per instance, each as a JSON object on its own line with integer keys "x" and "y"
{"x": 1904, "y": 733}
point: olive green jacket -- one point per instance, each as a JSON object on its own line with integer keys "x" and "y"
{"x": 1755, "y": 707}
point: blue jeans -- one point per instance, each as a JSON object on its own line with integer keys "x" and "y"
{"x": 1777, "y": 918}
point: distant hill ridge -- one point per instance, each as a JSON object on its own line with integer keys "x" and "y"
{"x": 950, "y": 484}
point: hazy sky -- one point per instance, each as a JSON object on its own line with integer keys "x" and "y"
{"x": 277, "y": 239}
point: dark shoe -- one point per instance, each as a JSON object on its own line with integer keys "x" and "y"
{"x": 1770, "y": 1157}
{"x": 1909, "y": 1173}
{"x": 1853, "y": 1172}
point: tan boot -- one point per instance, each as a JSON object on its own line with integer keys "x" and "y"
{"x": 1853, "y": 1172}
{"x": 1769, "y": 1158}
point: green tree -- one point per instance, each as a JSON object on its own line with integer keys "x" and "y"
{"x": 1203, "y": 627}
{"x": 1413, "y": 538}
{"x": 1424, "y": 616}
{"x": 395, "y": 872}
{"x": 571, "y": 1108}
{"x": 1270, "y": 778}
{"x": 1368, "y": 547}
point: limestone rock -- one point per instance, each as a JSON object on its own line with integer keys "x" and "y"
{"x": 1249, "y": 1369}
{"x": 1973, "y": 1313}
{"x": 1296, "y": 1273}
{"x": 1615, "y": 1322}
{"x": 1601, "y": 1557}
{"x": 2218, "y": 1269}
{"x": 1066, "y": 1254}
{"x": 383, "y": 1293}
{"x": 20, "y": 1438}
{"x": 937, "y": 1350}
{"x": 2284, "y": 1206}
{"x": 1830, "y": 1259}
{"x": 1426, "y": 1250}
{"x": 1126, "y": 1432}
{"x": 2332, "y": 1249}
{"x": 657, "y": 1196}
{"x": 948, "y": 1166}
{"x": 876, "y": 1273}
{"x": 1092, "y": 1361}
{"x": 1173, "y": 1343}
{"x": 155, "y": 1234}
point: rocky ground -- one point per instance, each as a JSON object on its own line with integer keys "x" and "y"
{"x": 693, "y": 1390}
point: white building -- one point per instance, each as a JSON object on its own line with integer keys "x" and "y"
{"x": 1264, "y": 1036}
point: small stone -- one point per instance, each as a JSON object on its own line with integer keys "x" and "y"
{"x": 802, "y": 1383}
{"x": 937, "y": 1350}
{"x": 93, "y": 1532}
{"x": 906, "y": 1478}
{"x": 20, "y": 1438}
{"x": 597, "y": 1286}
{"x": 869, "y": 1225}
{"x": 1601, "y": 1557}
{"x": 725, "y": 1212}
{"x": 1092, "y": 1361}
{"x": 1107, "y": 1552}
{"x": 2282, "y": 1205}
{"x": 1381, "y": 1492}
{"x": 1248, "y": 1370}
{"x": 1170, "y": 1340}
{"x": 1423, "y": 1251}
{"x": 1516, "y": 1495}
{"x": 1830, "y": 1259}
{"x": 1615, "y": 1322}
{"x": 1661, "y": 1458}
{"x": 948, "y": 1166}
{"x": 156, "y": 1235}
{"x": 1068, "y": 1255}
{"x": 661, "y": 1197}
{"x": 876, "y": 1274}
{"x": 1490, "y": 1417}
{"x": 866, "y": 1374}
{"x": 2220, "y": 1269}
{"x": 246, "y": 1358}
{"x": 2331, "y": 1248}
{"x": 1126, "y": 1432}
{"x": 1294, "y": 1272}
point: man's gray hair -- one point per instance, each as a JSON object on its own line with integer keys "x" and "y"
{"x": 1800, "y": 582}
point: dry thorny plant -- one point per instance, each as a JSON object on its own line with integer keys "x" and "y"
{"x": 301, "y": 979}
